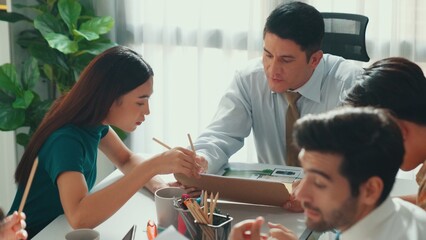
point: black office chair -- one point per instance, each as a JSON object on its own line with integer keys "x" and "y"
{"x": 345, "y": 35}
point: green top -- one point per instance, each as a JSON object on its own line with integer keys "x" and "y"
{"x": 70, "y": 148}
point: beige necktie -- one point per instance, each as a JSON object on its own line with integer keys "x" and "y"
{"x": 291, "y": 116}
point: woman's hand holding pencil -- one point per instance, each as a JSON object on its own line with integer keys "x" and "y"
{"x": 201, "y": 163}
{"x": 200, "y": 160}
{"x": 198, "y": 168}
{"x": 177, "y": 160}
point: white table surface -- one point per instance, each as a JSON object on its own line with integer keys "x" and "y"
{"x": 141, "y": 207}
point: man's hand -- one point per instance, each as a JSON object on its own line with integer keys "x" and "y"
{"x": 278, "y": 231}
{"x": 248, "y": 230}
{"x": 202, "y": 162}
{"x": 293, "y": 205}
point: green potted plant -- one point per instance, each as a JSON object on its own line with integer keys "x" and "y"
{"x": 61, "y": 39}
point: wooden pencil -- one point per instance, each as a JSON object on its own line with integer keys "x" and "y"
{"x": 213, "y": 206}
{"x": 161, "y": 143}
{"x": 28, "y": 186}
{"x": 205, "y": 202}
{"x": 211, "y": 210}
{"x": 190, "y": 142}
{"x": 205, "y": 217}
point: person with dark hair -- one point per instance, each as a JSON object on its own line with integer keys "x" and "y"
{"x": 399, "y": 85}
{"x": 114, "y": 89}
{"x": 350, "y": 157}
{"x": 12, "y": 227}
{"x": 293, "y": 77}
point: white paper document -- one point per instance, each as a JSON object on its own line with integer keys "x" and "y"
{"x": 170, "y": 233}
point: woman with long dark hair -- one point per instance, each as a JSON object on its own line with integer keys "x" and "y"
{"x": 114, "y": 89}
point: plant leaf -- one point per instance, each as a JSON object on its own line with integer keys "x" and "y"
{"x": 13, "y": 17}
{"x": 89, "y": 36}
{"x": 61, "y": 42}
{"x": 97, "y": 47}
{"x": 81, "y": 61}
{"x": 28, "y": 37}
{"x": 98, "y": 25}
{"x": 70, "y": 11}
{"x": 23, "y": 139}
{"x": 6, "y": 98}
{"x": 50, "y": 3}
{"x": 10, "y": 118}
{"x": 38, "y": 110}
{"x": 48, "y": 71}
{"x": 45, "y": 54}
{"x": 31, "y": 73}
{"x": 46, "y": 23}
{"x": 37, "y": 8}
{"x": 24, "y": 101}
{"x": 8, "y": 79}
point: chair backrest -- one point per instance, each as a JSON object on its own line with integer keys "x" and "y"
{"x": 345, "y": 35}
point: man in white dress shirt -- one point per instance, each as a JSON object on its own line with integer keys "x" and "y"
{"x": 292, "y": 61}
{"x": 350, "y": 157}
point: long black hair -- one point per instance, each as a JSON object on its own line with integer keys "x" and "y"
{"x": 396, "y": 84}
{"x": 108, "y": 76}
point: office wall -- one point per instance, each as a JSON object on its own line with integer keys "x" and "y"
{"x": 7, "y": 139}
{"x": 7, "y": 168}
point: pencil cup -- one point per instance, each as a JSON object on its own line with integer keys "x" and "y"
{"x": 186, "y": 225}
{"x": 219, "y": 230}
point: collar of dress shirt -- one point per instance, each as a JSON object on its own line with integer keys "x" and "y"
{"x": 312, "y": 89}
{"x": 367, "y": 226}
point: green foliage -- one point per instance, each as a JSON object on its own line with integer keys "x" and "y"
{"x": 20, "y": 105}
{"x": 62, "y": 39}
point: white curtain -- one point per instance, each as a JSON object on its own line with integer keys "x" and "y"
{"x": 395, "y": 28}
{"x": 194, "y": 47}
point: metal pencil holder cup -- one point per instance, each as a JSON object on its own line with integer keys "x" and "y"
{"x": 186, "y": 225}
{"x": 219, "y": 230}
